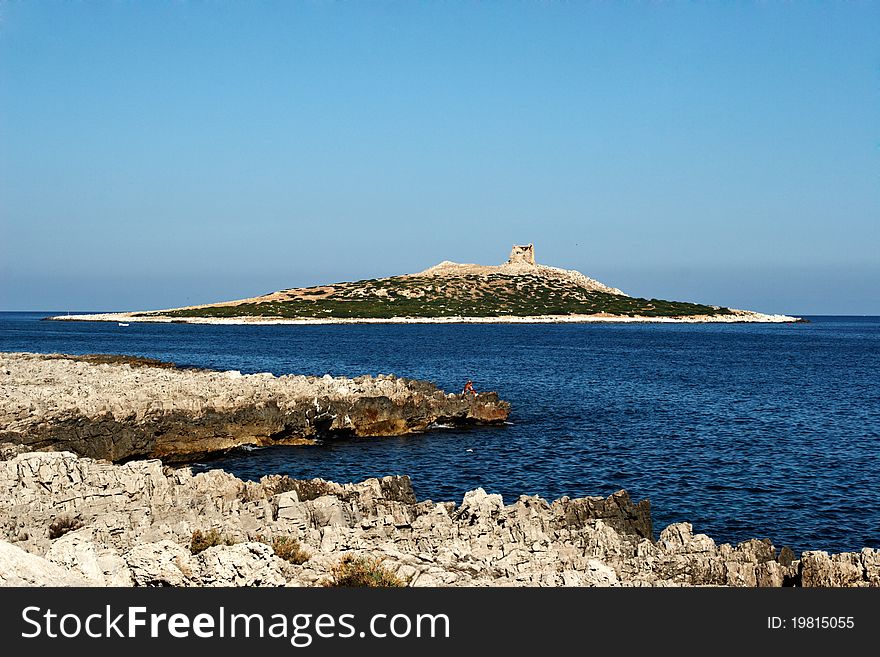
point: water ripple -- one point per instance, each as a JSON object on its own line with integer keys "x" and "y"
{"x": 744, "y": 431}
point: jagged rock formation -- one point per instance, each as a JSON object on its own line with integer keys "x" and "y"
{"x": 68, "y": 520}
{"x": 118, "y": 408}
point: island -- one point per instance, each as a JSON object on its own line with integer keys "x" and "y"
{"x": 520, "y": 290}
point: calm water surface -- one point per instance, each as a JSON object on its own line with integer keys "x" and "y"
{"x": 743, "y": 430}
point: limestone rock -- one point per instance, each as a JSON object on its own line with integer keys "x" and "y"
{"x": 100, "y": 566}
{"x": 819, "y": 569}
{"x": 138, "y": 520}
{"x": 244, "y": 564}
{"x": 161, "y": 564}
{"x": 20, "y": 568}
{"x": 117, "y": 408}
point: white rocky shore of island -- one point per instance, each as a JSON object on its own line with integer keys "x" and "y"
{"x": 734, "y": 317}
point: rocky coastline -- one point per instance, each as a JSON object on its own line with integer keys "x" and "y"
{"x": 72, "y": 521}
{"x": 112, "y": 514}
{"x": 118, "y": 408}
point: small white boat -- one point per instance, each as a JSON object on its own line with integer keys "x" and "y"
{"x": 122, "y": 324}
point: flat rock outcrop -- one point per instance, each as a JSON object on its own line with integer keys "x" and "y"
{"x": 67, "y": 520}
{"x": 118, "y": 408}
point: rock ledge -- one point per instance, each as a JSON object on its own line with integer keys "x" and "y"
{"x": 118, "y": 408}
{"x": 131, "y": 525}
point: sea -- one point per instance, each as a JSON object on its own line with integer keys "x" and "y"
{"x": 744, "y": 430}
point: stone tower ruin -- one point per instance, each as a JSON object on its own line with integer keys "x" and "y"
{"x": 522, "y": 255}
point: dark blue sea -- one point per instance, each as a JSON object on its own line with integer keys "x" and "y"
{"x": 743, "y": 430}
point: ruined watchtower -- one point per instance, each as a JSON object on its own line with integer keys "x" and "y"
{"x": 522, "y": 255}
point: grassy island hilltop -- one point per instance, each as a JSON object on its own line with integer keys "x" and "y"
{"x": 518, "y": 288}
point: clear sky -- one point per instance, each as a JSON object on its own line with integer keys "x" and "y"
{"x": 157, "y": 154}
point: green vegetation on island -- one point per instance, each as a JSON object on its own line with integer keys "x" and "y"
{"x": 492, "y": 295}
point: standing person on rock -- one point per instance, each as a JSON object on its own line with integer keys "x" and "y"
{"x": 469, "y": 388}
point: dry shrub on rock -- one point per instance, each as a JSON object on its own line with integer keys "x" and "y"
{"x": 63, "y": 524}
{"x": 289, "y": 549}
{"x": 363, "y": 571}
{"x": 201, "y": 541}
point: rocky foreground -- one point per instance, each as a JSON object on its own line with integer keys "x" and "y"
{"x": 117, "y": 408}
{"x": 66, "y": 520}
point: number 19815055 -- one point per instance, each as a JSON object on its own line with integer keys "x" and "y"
{"x": 811, "y": 623}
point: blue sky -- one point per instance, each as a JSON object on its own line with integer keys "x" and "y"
{"x": 157, "y": 154}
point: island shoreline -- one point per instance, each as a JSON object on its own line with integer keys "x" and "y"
{"x": 735, "y": 317}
